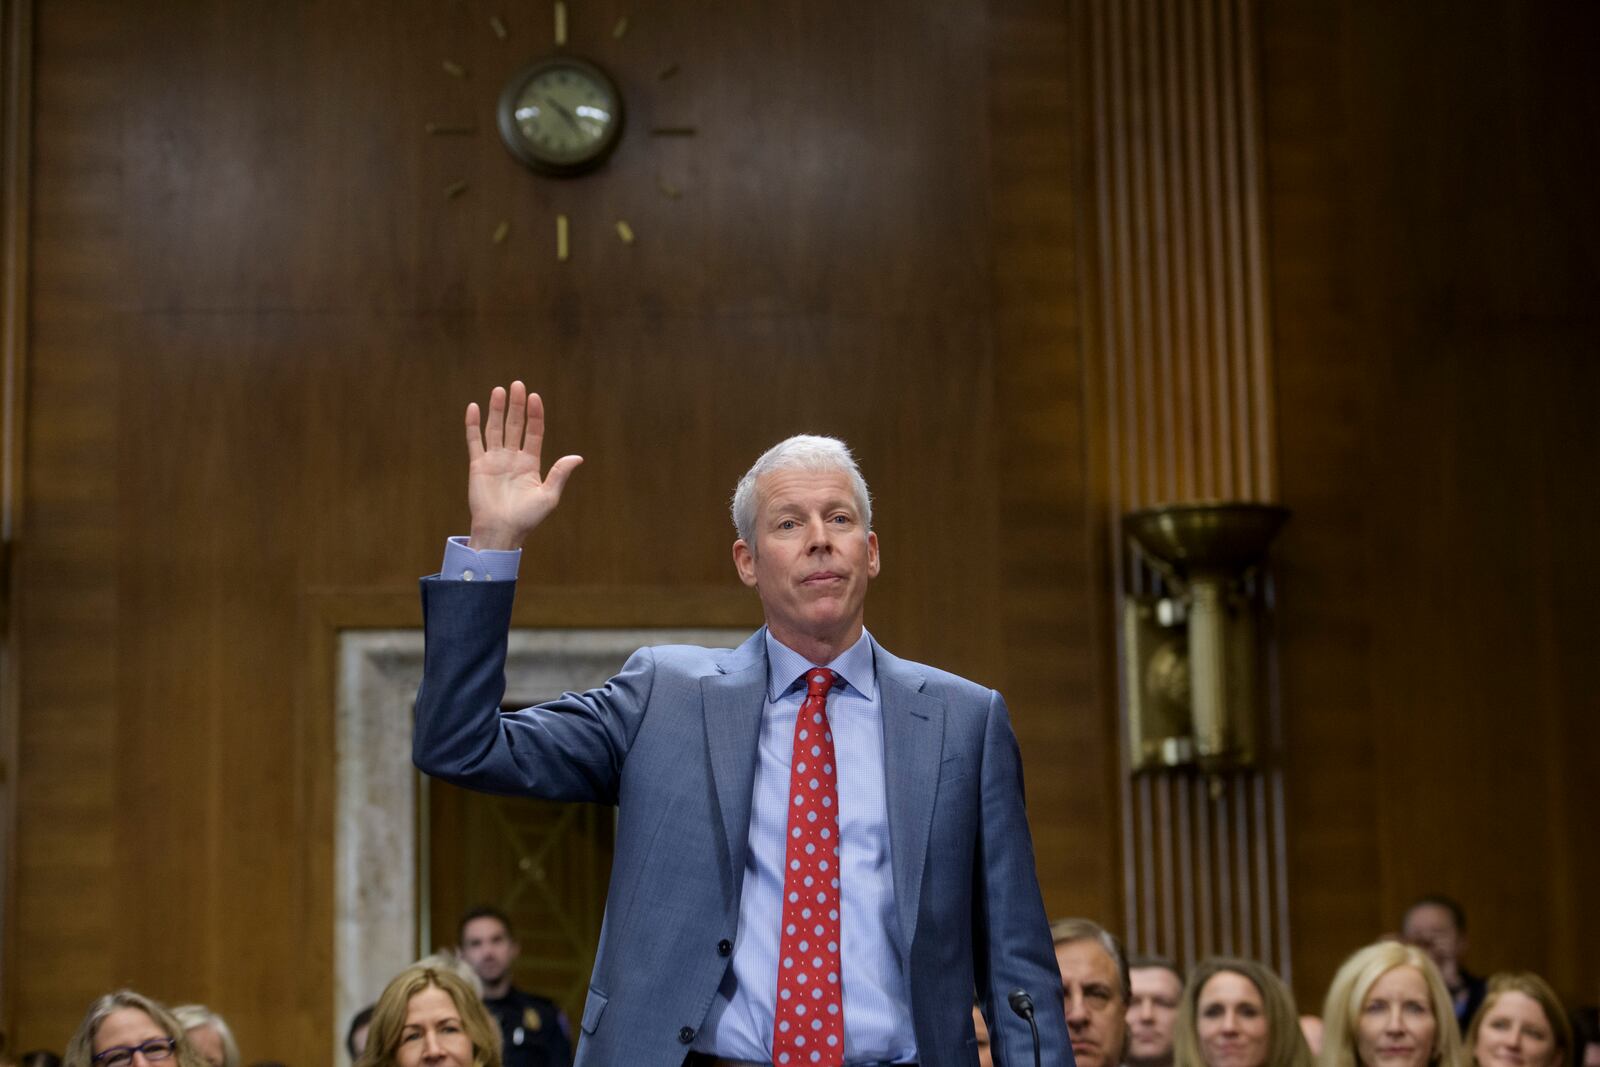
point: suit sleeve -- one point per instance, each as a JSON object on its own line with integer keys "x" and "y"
{"x": 570, "y": 748}
{"x": 1011, "y": 938}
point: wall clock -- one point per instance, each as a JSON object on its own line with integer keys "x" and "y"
{"x": 560, "y": 115}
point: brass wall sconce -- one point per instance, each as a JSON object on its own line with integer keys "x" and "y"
{"x": 1191, "y": 661}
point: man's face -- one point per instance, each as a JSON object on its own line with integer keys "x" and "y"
{"x": 1152, "y": 1015}
{"x": 208, "y": 1043}
{"x": 1091, "y": 991}
{"x": 1432, "y": 928}
{"x": 487, "y": 947}
{"x": 812, "y": 558}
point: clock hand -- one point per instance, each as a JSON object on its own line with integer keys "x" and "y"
{"x": 564, "y": 113}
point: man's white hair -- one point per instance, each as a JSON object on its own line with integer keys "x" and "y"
{"x": 193, "y": 1016}
{"x": 806, "y": 452}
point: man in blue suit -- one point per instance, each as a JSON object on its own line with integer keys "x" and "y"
{"x": 822, "y": 854}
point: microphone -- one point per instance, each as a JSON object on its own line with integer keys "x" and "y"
{"x": 1022, "y": 1004}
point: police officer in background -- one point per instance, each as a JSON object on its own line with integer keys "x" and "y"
{"x": 534, "y": 1029}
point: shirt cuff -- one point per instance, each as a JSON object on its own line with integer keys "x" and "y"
{"x": 463, "y": 564}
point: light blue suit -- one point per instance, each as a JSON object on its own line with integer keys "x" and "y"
{"x": 671, "y": 740}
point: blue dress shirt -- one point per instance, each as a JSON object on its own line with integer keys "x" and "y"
{"x": 877, "y": 1001}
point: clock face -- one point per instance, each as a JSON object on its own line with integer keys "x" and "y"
{"x": 561, "y": 115}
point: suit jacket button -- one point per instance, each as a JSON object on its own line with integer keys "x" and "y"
{"x": 724, "y": 947}
{"x": 686, "y": 1035}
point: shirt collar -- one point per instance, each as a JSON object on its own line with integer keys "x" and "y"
{"x": 855, "y": 665}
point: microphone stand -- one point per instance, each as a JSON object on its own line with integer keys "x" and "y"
{"x": 1022, "y": 1004}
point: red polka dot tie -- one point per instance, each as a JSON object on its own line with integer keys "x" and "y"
{"x": 809, "y": 1025}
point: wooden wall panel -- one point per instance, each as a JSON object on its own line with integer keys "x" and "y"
{"x": 1435, "y": 366}
{"x": 1050, "y": 592}
{"x": 256, "y": 321}
{"x": 16, "y": 155}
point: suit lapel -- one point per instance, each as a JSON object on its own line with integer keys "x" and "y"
{"x": 913, "y": 744}
{"x": 732, "y": 703}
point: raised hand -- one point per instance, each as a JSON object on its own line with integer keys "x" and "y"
{"x": 505, "y": 492}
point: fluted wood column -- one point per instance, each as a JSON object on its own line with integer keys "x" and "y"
{"x": 1181, "y": 358}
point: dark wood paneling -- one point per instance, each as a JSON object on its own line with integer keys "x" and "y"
{"x": 1436, "y": 339}
{"x": 1051, "y": 621}
{"x": 257, "y": 319}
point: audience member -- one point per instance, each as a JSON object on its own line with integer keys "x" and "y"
{"x": 430, "y": 1015}
{"x": 209, "y": 1034}
{"x": 1438, "y": 925}
{"x": 1586, "y": 1037}
{"x": 1521, "y": 1024}
{"x": 125, "y": 1026}
{"x": 1152, "y": 1010}
{"x": 355, "y": 1038}
{"x": 1094, "y": 991}
{"x": 1237, "y": 1013}
{"x": 1388, "y": 1007}
{"x": 534, "y": 1031}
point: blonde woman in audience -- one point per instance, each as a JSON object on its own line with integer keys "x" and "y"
{"x": 431, "y": 1014}
{"x": 1388, "y": 1007}
{"x": 1521, "y": 1023}
{"x": 209, "y": 1033}
{"x": 126, "y": 1028}
{"x": 1237, "y": 1013}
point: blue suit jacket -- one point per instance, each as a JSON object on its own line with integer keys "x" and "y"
{"x": 671, "y": 740}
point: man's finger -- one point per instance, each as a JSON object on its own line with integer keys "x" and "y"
{"x": 494, "y": 428}
{"x": 534, "y": 441}
{"x": 516, "y": 414}
{"x": 560, "y": 471}
{"x": 474, "y": 434}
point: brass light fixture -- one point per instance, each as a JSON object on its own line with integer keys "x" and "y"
{"x": 1191, "y": 660}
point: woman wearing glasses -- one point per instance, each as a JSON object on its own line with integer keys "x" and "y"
{"x": 125, "y": 1029}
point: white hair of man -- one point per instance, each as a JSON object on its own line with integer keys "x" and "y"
{"x": 194, "y": 1016}
{"x": 806, "y": 452}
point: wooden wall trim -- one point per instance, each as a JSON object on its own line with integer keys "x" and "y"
{"x": 16, "y": 128}
{"x": 16, "y": 138}
{"x": 1182, "y": 364}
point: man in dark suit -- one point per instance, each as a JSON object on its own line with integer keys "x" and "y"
{"x": 821, "y": 850}
{"x": 532, "y": 1029}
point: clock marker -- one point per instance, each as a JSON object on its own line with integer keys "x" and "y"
{"x": 561, "y": 24}
{"x": 625, "y": 232}
{"x": 561, "y": 238}
{"x": 498, "y": 27}
{"x": 455, "y": 189}
{"x": 620, "y": 29}
{"x": 455, "y": 70}
{"x": 501, "y": 231}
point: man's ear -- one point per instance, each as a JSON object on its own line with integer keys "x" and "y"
{"x": 873, "y": 563}
{"x": 744, "y": 561}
